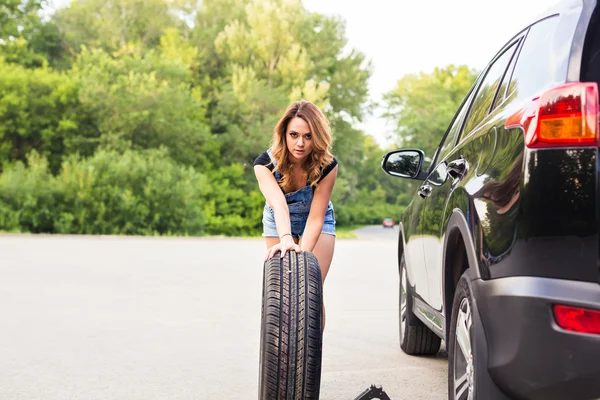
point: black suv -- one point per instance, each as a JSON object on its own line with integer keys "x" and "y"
{"x": 499, "y": 249}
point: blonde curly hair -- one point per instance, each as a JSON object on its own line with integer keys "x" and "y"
{"x": 320, "y": 156}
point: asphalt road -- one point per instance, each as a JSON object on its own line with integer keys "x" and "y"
{"x": 171, "y": 318}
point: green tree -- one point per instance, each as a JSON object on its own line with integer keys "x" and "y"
{"x": 144, "y": 92}
{"x": 39, "y": 110}
{"x": 121, "y": 26}
{"x": 25, "y": 37}
{"x": 15, "y": 15}
{"x": 263, "y": 54}
{"x": 346, "y": 70}
{"x": 144, "y": 102}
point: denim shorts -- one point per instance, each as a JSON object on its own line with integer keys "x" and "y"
{"x": 299, "y": 203}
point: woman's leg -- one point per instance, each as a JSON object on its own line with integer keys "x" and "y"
{"x": 324, "y": 252}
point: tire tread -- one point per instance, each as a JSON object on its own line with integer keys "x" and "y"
{"x": 291, "y": 337}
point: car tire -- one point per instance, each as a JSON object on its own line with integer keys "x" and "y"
{"x": 291, "y": 336}
{"x": 415, "y": 337}
{"x": 467, "y": 349}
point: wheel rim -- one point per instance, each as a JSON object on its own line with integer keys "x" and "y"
{"x": 464, "y": 382}
{"x": 402, "y": 303}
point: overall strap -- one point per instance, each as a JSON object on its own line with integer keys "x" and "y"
{"x": 277, "y": 173}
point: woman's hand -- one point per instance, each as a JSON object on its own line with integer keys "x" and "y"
{"x": 287, "y": 243}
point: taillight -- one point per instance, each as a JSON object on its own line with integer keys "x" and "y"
{"x": 577, "y": 319}
{"x": 565, "y": 116}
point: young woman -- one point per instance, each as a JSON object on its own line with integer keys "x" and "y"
{"x": 296, "y": 176}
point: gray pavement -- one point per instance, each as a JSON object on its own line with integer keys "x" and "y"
{"x": 90, "y": 318}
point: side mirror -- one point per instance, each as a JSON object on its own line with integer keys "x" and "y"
{"x": 406, "y": 163}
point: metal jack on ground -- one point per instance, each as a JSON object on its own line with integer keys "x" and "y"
{"x": 373, "y": 392}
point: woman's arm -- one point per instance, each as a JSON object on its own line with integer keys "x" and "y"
{"x": 318, "y": 208}
{"x": 276, "y": 199}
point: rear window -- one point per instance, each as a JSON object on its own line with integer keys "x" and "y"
{"x": 487, "y": 90}
{"x": 542, "y": 62}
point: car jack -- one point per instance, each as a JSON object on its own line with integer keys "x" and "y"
{"x": 373, "y": 392}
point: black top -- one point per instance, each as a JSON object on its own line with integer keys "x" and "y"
{"x": 265, "y": 160}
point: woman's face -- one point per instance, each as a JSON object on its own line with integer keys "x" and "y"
{"x": 298, "y": 139}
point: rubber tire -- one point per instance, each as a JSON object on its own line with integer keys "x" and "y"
{"x": 291, "y": 337}
{"x": 419, "y": 339}
{"x": 484, "y": 387}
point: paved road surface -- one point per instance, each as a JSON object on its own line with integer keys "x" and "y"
{"x": 163, "y": 318}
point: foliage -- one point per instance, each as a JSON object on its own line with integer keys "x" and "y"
{"x": 29, "y": 197}
{"x": 118, "y": 26}
{"x": 39, "y": 110}
{"x": 134, "y": 193}
{"x": 233, "y": 209}
{"x": 143, "y": 102}
{"x": 144, "y": 118}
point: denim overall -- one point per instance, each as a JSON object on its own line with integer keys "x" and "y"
{"x": 298, "y": 203}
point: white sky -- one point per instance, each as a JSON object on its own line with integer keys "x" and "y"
{"x": 406, "y": 36}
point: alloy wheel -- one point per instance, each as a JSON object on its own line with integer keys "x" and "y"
{"x": 403, "y": 304}
{"x": 464, "y": 382}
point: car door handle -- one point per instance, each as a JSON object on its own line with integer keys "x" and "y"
{"x": 425, "y": 190}
{"x": 458, "y": 168}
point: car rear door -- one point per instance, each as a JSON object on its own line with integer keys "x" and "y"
{"x": 455, "y": 164}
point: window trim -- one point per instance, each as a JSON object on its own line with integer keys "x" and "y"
{"x": 468, "y": 98}
{"x": 517, "y": 56}
{"x": 505, "y": 48}
{"x": 509, "y": 70}
{"x": 463, "y": 104}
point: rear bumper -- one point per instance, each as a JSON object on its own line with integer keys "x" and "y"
{"x": 529, "y": 356}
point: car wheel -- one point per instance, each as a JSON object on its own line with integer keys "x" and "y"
{"x": 291, "y": 336}
{"x": 462, "y": 361}
{"x": 468, "y": 378}
{"x": 415, "y": 337}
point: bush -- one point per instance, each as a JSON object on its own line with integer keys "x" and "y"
{"x": 234, "y": 210}
{"x": 39, "y": 110}
{"x": 28, "y": 196}
{"x": 134, "y": 193}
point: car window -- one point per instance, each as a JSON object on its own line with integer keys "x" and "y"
{"x": 453, "y": 131}
{"x": 487, "y": 90}
{"x": 542, "y": 61}
{"x": 503, "y": 90}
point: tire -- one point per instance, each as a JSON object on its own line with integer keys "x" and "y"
{"x": 468, "y": 377}
{"x": 291, "y": 337}
{"x": 415, "y": 337}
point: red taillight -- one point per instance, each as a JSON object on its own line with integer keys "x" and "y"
{"x": 577, "y": 319}
{"x": 563, "y": 116}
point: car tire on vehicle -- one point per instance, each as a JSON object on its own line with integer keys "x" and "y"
{"x": 415, "y": 337}
{"x": 291, "y": 336}
{"x": 468, "y": 377}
